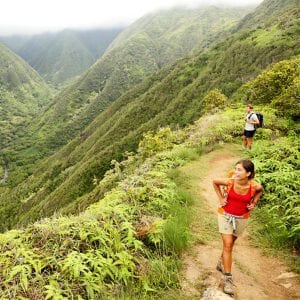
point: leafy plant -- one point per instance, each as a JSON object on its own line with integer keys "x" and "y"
{"x": 214, "y": 100}
{"x": 279, "y": 171}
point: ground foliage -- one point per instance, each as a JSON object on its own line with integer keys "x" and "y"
{"x": 277, "y": 164}
{"x": 97, "y": 254}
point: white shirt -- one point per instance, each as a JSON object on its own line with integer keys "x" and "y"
{"x": 248, "y": 126}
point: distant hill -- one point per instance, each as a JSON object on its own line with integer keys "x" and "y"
{"x": 173, "y": 96}
{"x": 23, "y": 94}
{"x": 59, "y": 57}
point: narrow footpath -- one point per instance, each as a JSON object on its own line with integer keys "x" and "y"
{"x": 255, "y": 276}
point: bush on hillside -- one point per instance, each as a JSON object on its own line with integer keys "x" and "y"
{"x": 288, "y": 103}
{"x": 278, "y": 85}
{"x": 214, "y": 100}
{"x": 164, "y": 139}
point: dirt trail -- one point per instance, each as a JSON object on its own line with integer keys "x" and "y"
{"x": 255, "y": 276}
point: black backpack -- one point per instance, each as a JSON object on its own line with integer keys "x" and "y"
{"x": 260, "y": 118}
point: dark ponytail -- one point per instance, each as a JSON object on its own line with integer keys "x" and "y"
{"x": 248, "y": 166}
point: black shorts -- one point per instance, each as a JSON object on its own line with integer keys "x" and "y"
{"x": 249, "y": 133}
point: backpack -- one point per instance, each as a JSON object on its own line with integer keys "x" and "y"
{"x": 260, "y": 118}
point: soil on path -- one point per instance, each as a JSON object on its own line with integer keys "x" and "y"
{"x": 255, "y": 276}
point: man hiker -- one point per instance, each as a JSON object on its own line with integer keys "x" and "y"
{"x": 249, "y": 130}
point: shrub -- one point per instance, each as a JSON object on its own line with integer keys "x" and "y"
{"x": 214, "y": 100}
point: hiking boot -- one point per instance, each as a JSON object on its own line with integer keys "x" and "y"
{"x": 220, "y": 266}
{"x": 228, "y": 285}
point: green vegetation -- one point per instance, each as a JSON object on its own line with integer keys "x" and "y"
{"x": 214, "y": 100}
{"x": 23, "y": 94}
{"x": 59, "y": 57}
{"x": 280, "y": 85}
{"x": 138, "y": 52}
{"x": 278, "y": 165}
{"x": 173, "y": 97}
{"x": 113, "y": 216}
{"x": 98, "y": 253}
{"x": 117, "y": 247}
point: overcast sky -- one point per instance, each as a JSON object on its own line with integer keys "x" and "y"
{"x": 33, "y": 16}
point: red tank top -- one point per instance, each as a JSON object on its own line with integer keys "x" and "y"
{"x": 236, "y": 203}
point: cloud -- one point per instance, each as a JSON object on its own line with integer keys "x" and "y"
{"x": 51, "y": 15}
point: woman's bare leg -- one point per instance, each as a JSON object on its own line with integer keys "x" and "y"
{"x": 228, "y": 242}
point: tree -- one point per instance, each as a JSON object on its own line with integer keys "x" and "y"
{"x": 288, "y": 103}
{"x": 214, "y": 100}
{"x": 272, "y": 82}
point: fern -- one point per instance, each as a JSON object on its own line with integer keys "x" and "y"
{"x": 279, "y": 172}
{"x": 53, "y": 291}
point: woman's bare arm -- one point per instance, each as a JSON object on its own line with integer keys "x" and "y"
{"x": 257, "y": 195}
{"x": 217, "y": 183}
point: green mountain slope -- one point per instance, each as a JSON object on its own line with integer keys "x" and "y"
{"x": 173, "y": 96}
{"x": 271, "y": 12}
{"x": 137, "y": 53}
{"x": 178, "y": 32}
{"x": 23, "y": 94}
{"x": 140, "y": 51}
{"x": 65, "y": 58}
{"x": 58, "y": 57}
{"x": 128, "y": 244}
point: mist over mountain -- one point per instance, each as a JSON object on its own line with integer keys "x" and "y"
{"x": 59, "y": 57}
{"x": 53, "y": 16}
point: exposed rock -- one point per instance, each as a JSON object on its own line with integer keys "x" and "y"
{"x": 286, "y": 275}
{"x": 213, "y": 293}
{"x": 286, "y": 285}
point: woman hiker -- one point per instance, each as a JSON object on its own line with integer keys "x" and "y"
{"x": 240, "y": 197}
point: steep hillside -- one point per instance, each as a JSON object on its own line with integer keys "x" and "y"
{"x": 23, "y": 94}
{"x": 137, "y": 53}
{"x": 174, "y": 96}
{"x": 64, "y": 58}
{"x": 178, "y": 32}
{"x": 271, "y": 12}
{"x": 134, "y": 55}
{"x": 60, "y": 56}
